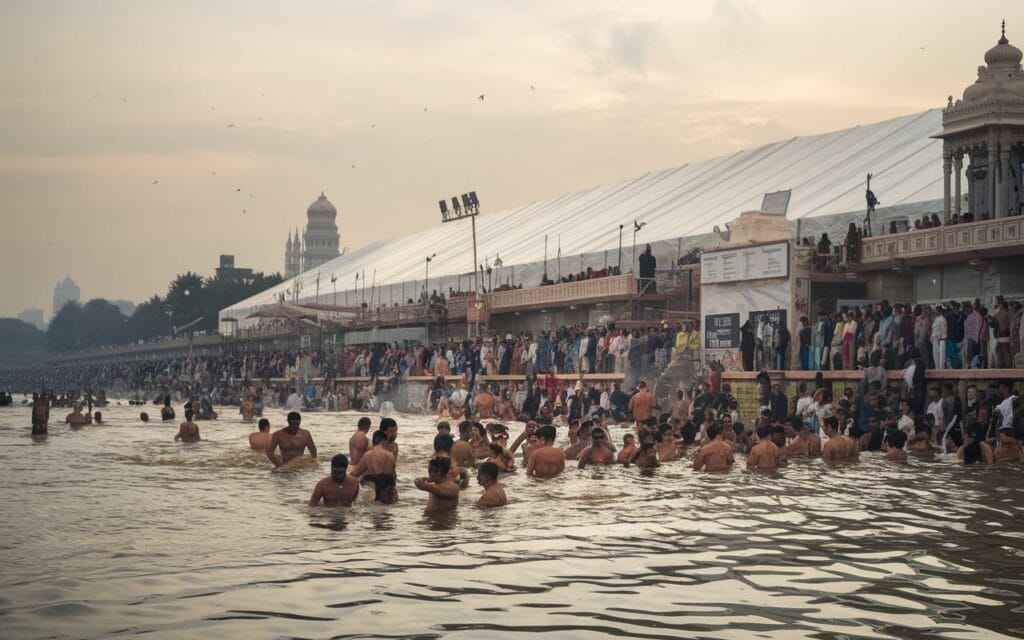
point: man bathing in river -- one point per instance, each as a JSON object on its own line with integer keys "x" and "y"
{"x": 389, "y": 427}
{"x": 494, "y": 492}
{"x": 805, "y": 444}
{"x": 716, "y": 455}
{"x": 596, "y": 453}
{"x": 76, "y": 418}
{"x": 376, "y": 465}
{"x": 359, "y": 443}
{"x": 292, "y": 441}
{"x": 547, "y": 460}
{"x": 260, "y": 440}
{"x": 763, "y": 456}
{"x": 338, "y": 489}
{"x": 462, "y": 450}
{"x": 444, "y": 492}
{"x": 188, "y": 431}
{"x": 838, "y": 448}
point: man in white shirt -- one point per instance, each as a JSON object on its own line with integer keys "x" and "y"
{"x": 1005, "y": 409}
{"x": 935, "y": 407}
{"x": 294, "y": 402}
{"x": 906, "y": 421}
{"x": 939, "y": 335}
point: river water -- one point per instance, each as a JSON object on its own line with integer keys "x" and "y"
{"x": 117, "y": 530}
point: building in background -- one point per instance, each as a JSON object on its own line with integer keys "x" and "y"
{"x": 127, "y": 307}
{"x": 228, "y": 272}
{"x": 33, "y": 317}
{"x": 65, "y": 292}
{"x": 318, "y": 244}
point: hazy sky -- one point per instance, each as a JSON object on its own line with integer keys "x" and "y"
{"x": 100, "y": 99}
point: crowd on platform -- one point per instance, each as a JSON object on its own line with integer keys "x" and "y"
{"x": 635, "y": 353}
{"x": 950, "y": 335}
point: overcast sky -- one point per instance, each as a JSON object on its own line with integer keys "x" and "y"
{"x": 139, "y": 140}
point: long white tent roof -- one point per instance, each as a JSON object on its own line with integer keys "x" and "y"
{"x": 825, "y": 172}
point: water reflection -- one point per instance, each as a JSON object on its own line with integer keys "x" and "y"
{"x": 141, "y": 535}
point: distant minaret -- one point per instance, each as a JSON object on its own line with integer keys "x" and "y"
{"x": 292, "y": 256}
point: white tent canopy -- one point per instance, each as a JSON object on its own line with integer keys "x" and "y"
{"x": 680, "y": 205}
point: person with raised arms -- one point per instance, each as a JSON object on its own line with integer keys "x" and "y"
{"x": 443, "y": 491}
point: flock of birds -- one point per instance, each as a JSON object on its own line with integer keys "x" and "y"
{"x": 373, "y": 125}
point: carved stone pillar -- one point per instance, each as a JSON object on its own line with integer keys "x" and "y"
{"x": 947, "y": 166}
{"x": 992, "y": 183}
{"x": 1004, "y": 180}
{"x": 958, "y": 168}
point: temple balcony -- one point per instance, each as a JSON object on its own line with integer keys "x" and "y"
{"x": 606, "y": 289}
{"x": 947, "y": 244}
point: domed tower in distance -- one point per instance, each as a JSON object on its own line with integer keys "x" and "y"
{"x": 321, "y": 239}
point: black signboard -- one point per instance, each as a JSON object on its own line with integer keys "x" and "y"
{"x": 774, "y": 315}
{"x": 722, "y": 331}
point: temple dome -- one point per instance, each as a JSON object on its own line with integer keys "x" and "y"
{"x": 1003, "y": 54}
{"x": 321, "y": 206}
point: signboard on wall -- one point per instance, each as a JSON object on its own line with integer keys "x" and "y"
{"x": 777, "y": 316}
{"x": 745, "y": 263}
{"x": 722, "y": 331}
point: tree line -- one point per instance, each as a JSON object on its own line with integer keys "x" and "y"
{"x": 191, "y": 304}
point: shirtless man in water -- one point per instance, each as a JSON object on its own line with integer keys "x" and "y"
{"x": 260, "y": 439}
{"x": 462, "y": 450}
{"x": 444, "y": 492}
{"x": 389, "y": 427}
{"x": 359, "y": 443}
{"x": 894, "y": 446}
{"x": 376, "y": 464}
{"x": 596, "y": 453}
{"x": 838, "y": 448}
{"x": 628, "y": 449}
{"x": 494, "y": 492}
{"x": 188, "y": 431}
{"x": 338, "y": 489}
{"x": 1009, "y": 449}
{"x": 292, "y": 440}
{"x": 805, "y": 444}
{"x": 247, "y": 409}
{"x": 547, "y": 460}
{"x": 764, "y": 455}
{"x": 76, "y": 418}
{"x": 716, "y": 455}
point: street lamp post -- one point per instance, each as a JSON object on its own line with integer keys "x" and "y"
{"x": 619, "y": 263}
{"x": 469, "y": 208}
{"x": 334, "y": 287}
{"x": 426, "y": 278}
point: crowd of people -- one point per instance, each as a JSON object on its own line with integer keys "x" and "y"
{"x": 225, "y": 378}
{"x": 703, "y": 429}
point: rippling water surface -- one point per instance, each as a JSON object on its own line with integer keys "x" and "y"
{"x": 117, "y": 530}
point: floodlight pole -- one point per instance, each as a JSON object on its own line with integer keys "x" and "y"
{"x": 619, "y": 263}
{"x": 470, "y": 208}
